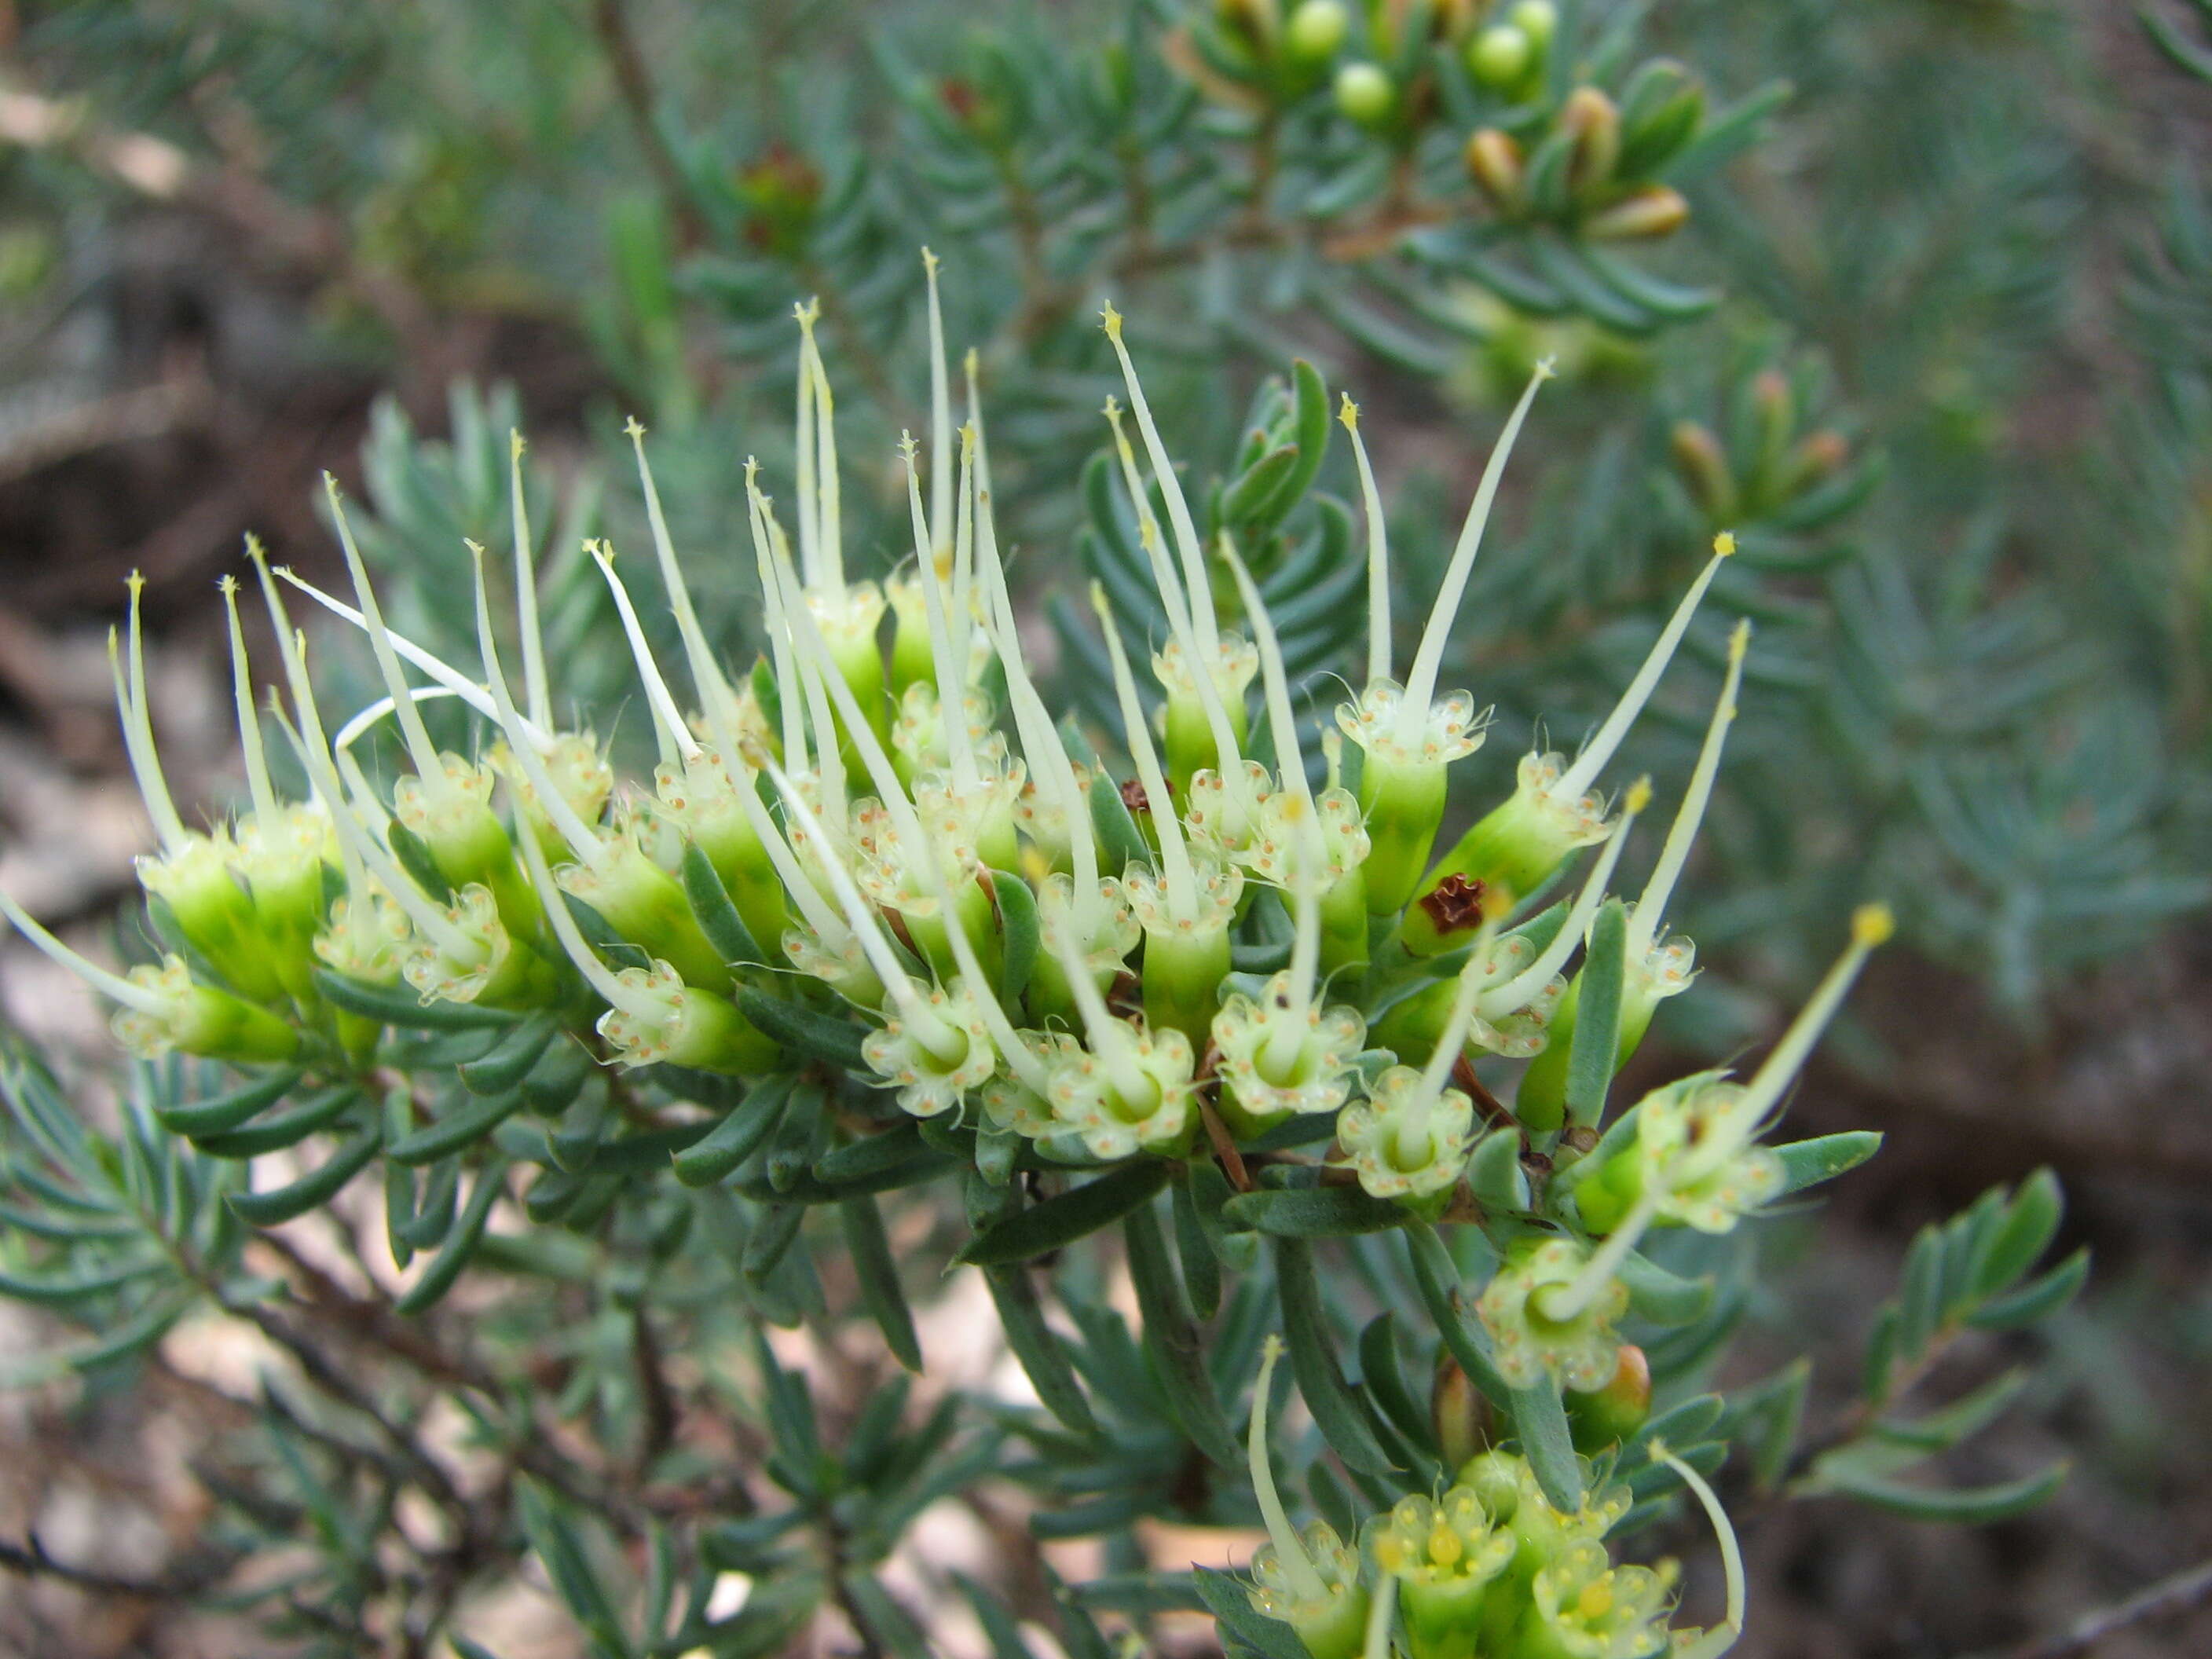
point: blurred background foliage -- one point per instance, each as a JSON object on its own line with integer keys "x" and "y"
{"x": 1927, "y": 325}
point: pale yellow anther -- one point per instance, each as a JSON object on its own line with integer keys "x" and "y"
{"x": 930, "y": 262}
{"x": 1724, "y": 544}
{"x": 515, "y": 446}
{"x": 632, "y": 428}
{"x": 1639, "y": 795}
{"x": 1872, "y": 925}
{"x": 1347, "y": 412}
{"x": 1739, "y": 642}
{"x": 1595, "y": 1601}
{"x": 1112, "y": 319}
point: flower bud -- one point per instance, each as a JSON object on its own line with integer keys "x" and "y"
{"x": 1703, "y": 466}
{"x": 1589, "y": 116}
{"x": 1537, "y": 18}
{"x": 1317, "y": 29}
{"x": 1818, "y": 456}
{"x": 1466, "y": 1422}
{"x": 1774, "y": 412}
{"x": 1494, "y": 161}
{"x": 1365, "y": 94}
{"x": 1608, "y": 1416}
{"x": 1654, "y": 211}
{"x": 1499, "y": 57}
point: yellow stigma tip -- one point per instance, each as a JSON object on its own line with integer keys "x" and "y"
{"x": 634, "y": 429}
{"x": 1547, "y": 369}
{"x": 1872, "y": 925}
{"x": 1740, "y": 641}
{"x": 1112, "y": 319}
{"x": 1348, "y": 412}
{"x": 1724, "y": 544}
{"x": 1639, "y": 796}
{"x": 227, "y": 585}
{"x": 516, "y": 443}
{"x": 930, "y": 262}
{"x": 1273, "y": 1347}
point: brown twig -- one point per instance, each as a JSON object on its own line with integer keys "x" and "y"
{"x": 634, "y": 81}
{"x": 30, "y": 1559}
{"x": 2191, "y": 1587}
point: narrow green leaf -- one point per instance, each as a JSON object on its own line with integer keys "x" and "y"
{"x": 876, "y": 1273}
{"x": 1494, "y": 1174}
{"x": 1663, "y": 1297}
{"x": 1336, "y": 1410}
{"x": 456, "y": 1129}
{"x": 1120, "y": 842}
{"x": 1201, "y": 1267}
{"x": 1039, "y": 1348}
{"x": 735, "y": 1139}
{"x": 317, "y": 1112}
{"x": 501, "y": 1071}
{"x": 1438, "y": 1280}
{"x": 1593, "y": 1053}
{"x": 1171, "y": 1338}
{"x": 1540, "y": 1420}
{"x": 2037, "y": 1299}
{"x": 2031, "y": 1223}
{"x": 1940, "y": 1431}
{"x": 714, "y": 911}
{"x": 402, "y": 1008}
{"x": 1230, "y": 1600}
{"x": 1059, "y": 1221}
{"x": 313, "y": 1189}
{"x": 1966, "y": 1505}
{"x": 1252, "y": 493}
{"x": 1019, "y": 930}
{"x": 460, "y": 1244}
{"x": 857, "y": 1159}
{"x": 1809, "y": 1162}
{"x": 220, "y": 1114}
{"x": 1312, "y": 1212}
{"x": 818, "y": 1035}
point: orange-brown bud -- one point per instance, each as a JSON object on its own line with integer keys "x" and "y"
{"x": 1613, "y": 1413}
{"x": 1591, "y": 118}
{"x": 1654, "y": 210}
{"x": 1466, "y": 1422}
{"x": 1494, "y": 161}
{"x": 1703, "y": 466}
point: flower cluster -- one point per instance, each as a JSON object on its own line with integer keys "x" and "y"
{"x": 1487, "y": 1568}
{"x": 881, "y": 850}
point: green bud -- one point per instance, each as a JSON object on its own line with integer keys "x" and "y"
{"x": 1499, "y": 57}
{"x": 1365, "y": 94}
{"x": 1537, "y": 18}
{"x": 1317, "y": 28}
